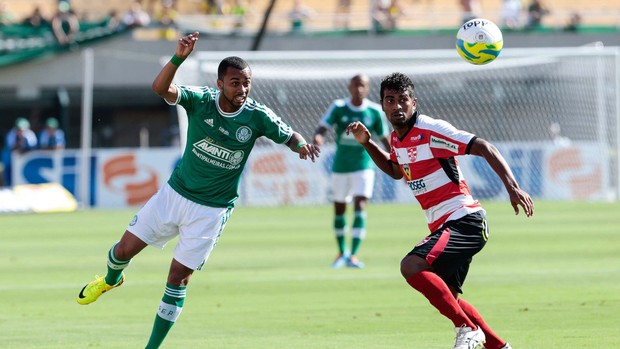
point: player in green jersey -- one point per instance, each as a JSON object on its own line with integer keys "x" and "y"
{"x": 195, "y": 204}
{"x": 353, "y": 171}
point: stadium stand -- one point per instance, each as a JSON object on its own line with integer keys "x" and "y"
{"x": 418, "y": 14}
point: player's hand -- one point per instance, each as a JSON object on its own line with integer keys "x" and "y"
{"x": 309, "y": 151}
{"x": 317, "y": 139}
{"x": 185, "y": 45}
{"x": 359, "y": 131}
{"x": 518, "y": 198}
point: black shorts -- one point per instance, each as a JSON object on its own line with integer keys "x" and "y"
{"x": 449, "y": 250}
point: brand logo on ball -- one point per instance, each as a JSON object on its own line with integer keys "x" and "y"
{"x": 479, "y": 41}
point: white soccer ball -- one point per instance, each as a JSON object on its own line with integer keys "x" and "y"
{"x": 479, "y": 41}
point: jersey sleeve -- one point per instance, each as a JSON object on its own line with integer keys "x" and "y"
{"x": 189, "y": 96}
{"x": 448, "y": 141}
{"x": 392, "y": 151}
{"x": 274, "y": 128}
{"x": 329, "y": 117}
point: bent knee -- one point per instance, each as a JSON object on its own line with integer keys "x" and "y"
{"x": 411, "y": 265}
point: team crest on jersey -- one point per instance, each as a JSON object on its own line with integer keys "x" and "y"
{"x": 441, "y": 143}
{"x": 412, "y": 153}
{"x": 134, "y": 221}
{"x": 243, "y": 134}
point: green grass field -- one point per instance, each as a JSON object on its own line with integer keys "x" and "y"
{"x": 550, "y": 281}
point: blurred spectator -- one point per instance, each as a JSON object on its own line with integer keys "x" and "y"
{"x": 19, "y": 140}
{"x": 111, "y": 21}
{"x": 574, "y": 21}
{"x": 555, "y": 131}
{"x": 213, "y": 7}
{"x": 136, "y": 16}
{"x": 343, "y": 14}
{"x": 6, "y": 17}
{"x": 298, "y": 16}
{"x": 51, "y": 137}
{"x": 536, "y": 10}
{"x": 240, "y": 10}
{"x": 65, "y": 24}
{"x": 386, "y": 14}
{"x": 470, "y": 9}
{"x": 511, "y": 14}
{"x": 36, "y": 19}
{"x": 165, "y": 19}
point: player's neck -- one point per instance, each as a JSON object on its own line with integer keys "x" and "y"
{"x": 357, "y": 102}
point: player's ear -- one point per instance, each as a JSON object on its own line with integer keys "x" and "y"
{"x": 220, "y": 84}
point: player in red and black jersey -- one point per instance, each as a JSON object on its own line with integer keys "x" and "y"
{"x": 424, "y": 151}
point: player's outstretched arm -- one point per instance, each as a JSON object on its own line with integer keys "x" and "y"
{"x": 298, "y": 144}
{"x": 162, "y": 85}
{"x": 378, "y": 155}
{"x": 518, "y": 197}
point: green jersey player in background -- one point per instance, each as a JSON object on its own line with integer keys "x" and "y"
{"x": 197, "y": 200}
{"x": 353, "y": 171}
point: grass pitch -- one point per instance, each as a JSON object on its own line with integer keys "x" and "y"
{"x": 550, "y": 281}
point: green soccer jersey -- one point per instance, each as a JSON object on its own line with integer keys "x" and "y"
{"x": 218, "y": 145}
{"x": 350, "y": 155}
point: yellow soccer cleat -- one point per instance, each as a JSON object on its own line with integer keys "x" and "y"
{"x": 96, "y": 288}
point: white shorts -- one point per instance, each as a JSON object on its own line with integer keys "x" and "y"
{"x": 345, "y": 186}
{"x": 168, "y": 214}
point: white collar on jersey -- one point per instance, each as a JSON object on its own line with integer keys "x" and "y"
{"x": 225, "y": 114}
{"x": 355, "y": 107}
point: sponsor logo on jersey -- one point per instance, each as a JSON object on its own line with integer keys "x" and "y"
{"x": 441, "y": 143}
{"x": 223, "y": 130}
{"x": 209, "y": 122}
{"x": 134, "y": 221}
{"x": 416, "y": 138}
{"x": 417, "y": 186}
{"x": 243, "y": 134}
{"x": 215, "y": 154}
{"x": 407, "y": 171}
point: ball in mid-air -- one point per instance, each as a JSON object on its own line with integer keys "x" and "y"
{"x": 479, "y": 41}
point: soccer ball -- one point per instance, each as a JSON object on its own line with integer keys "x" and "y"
{"x": 479, "y": 41}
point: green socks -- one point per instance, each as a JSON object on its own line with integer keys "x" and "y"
{"x": 169, "y": 310}
{"x": 115, "y": 268}
{"x": 358, "y": 230}
{"x": 340, "y": 222}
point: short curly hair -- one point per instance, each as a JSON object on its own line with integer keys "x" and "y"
{"x": 233, "y": 62}
{"x": 397, "y": 82}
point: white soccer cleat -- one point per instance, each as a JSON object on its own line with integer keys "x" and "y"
{"x": 466, "y": 338}
{"x": 506, "y": 346}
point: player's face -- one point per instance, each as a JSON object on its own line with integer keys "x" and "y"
{"x": 398, "y": 106}
{"x": 359, "y": 88}
{"x": 235, "y": 88}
